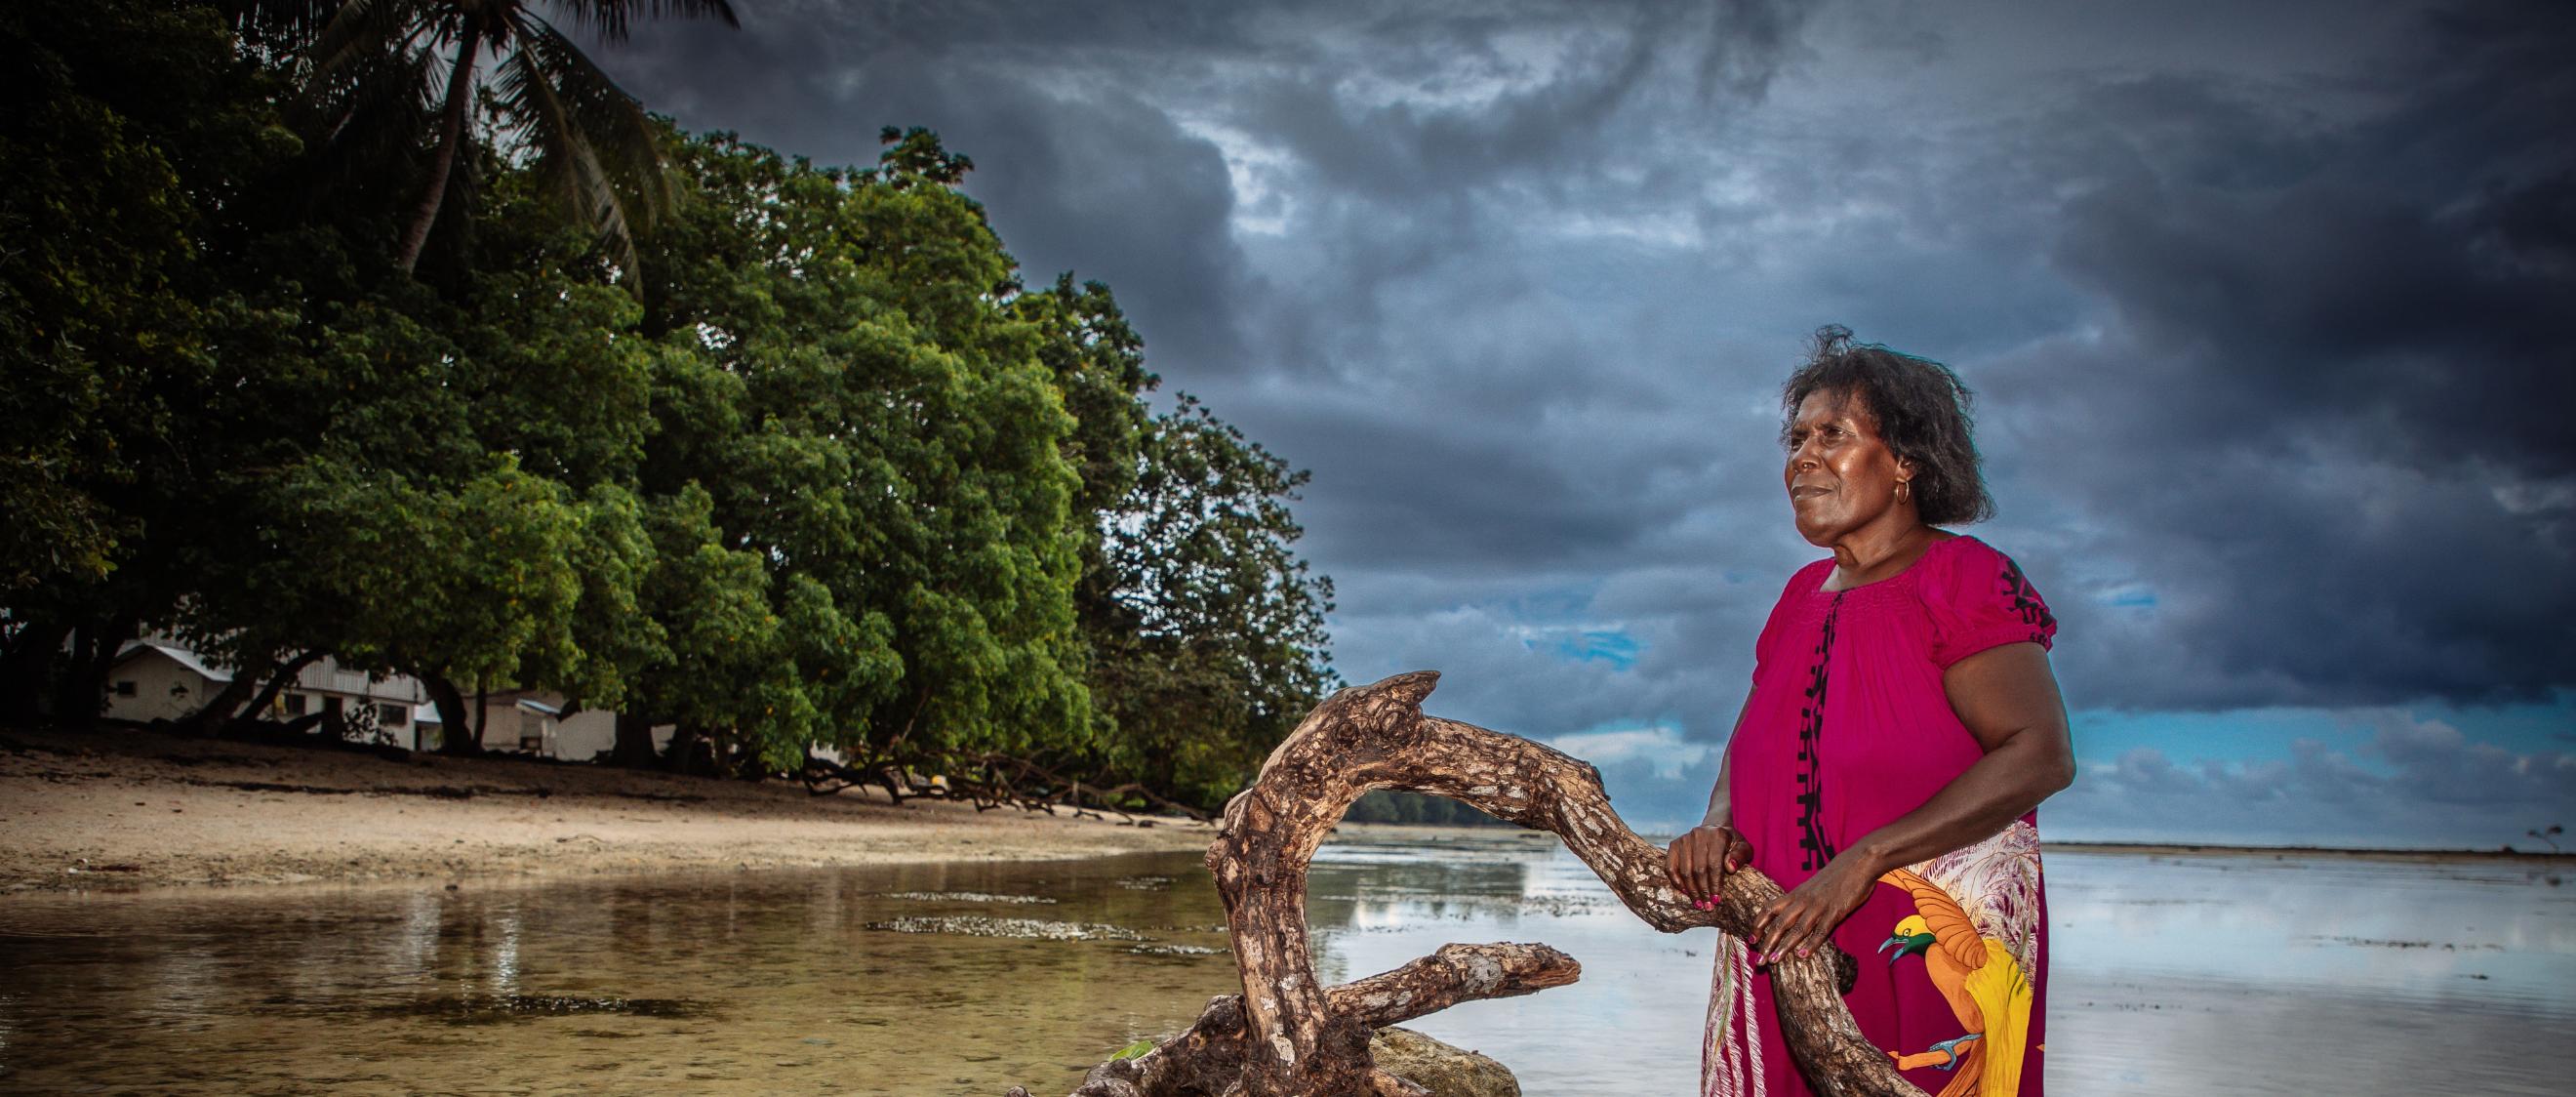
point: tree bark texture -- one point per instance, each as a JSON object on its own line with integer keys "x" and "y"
{"x": 1299, "y": 1038}
{"x": 217, "y": 711}
{"x": 1208, "y": 1058}
{"x": 277, "y": 683}
{"x": 442, "y": 161}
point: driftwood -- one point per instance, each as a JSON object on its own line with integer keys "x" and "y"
{"x": 1287, "y": 1035}
{"x": 1209, "y": 1057}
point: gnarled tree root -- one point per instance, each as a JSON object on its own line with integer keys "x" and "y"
{"x": 1287, "y": 1035}
{"x": 1208, "y": 1058}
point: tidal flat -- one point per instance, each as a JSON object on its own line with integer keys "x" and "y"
{"x": 2173, "y": 973}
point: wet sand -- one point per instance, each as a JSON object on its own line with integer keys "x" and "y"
{"x": 128, "y": 809}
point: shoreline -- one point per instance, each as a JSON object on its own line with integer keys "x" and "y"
{"x": 1382, "y": 832}
{"x": 127, "y": 810}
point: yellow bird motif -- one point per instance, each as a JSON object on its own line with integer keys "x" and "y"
{"x": 1983, "y": 982}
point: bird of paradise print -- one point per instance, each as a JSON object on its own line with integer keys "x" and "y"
{"x": 1978, "y": 954}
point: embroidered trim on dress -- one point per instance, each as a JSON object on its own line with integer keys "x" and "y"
{"x": 1817, "y": 848}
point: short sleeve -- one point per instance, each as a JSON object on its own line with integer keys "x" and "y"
{"x": 1981, "y": 600}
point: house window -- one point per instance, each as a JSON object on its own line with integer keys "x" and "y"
{"x": 334, "y": 707}
{"x": 293, "y": 703}
{"x": 125, "y": 687}
{"x": 393, "y": 716}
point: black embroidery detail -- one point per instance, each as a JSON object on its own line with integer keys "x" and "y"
{"x": 2026, "y": 603}
{"x": 1811, "y": 730}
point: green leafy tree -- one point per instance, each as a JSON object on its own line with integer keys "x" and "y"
{"x": 1212, "y": 643}
{"x": 871, "y": 424}
{"x": 135, "y": 140}
{"x": 833, "y": 477}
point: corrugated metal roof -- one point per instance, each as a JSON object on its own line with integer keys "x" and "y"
{"x": 179, "y": 655}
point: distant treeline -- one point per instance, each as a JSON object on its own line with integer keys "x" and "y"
{"x": 1390, "y": 806}
{"x": 395, "y": 333}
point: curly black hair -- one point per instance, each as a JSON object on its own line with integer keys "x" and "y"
{"x": 1922, "y": 413}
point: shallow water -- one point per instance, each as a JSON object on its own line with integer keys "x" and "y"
{"x": 2221, "y": 973}
{"x": 2171, "y": 975}
{"x": 747, "y": 982}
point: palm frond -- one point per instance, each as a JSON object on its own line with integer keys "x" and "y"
{"x": 393, "y": 81}
{"x": 610, "y": 120}
{"x": 612, "y": 19}
{"x": 366, "y": 29}
{"x": 566, "y": 160}
{"x": 276, "y": 29}
{"x": 366, "y": 130}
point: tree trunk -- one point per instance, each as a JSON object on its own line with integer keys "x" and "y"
{"x": 688, "y": 744}
{"x": 212, "y": 716}
{"x": 634, "y": 741}
{"x": 442, "y": 160}
{"x": 457, "y": 733}
{"x": 1301, "y": 1038}
{"x": 82, "y": 690}
{"x": 27, "y": 670}
{"x": 278, "y": 682}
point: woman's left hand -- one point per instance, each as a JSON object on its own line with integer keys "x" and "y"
{"x": 1804, "y": 920}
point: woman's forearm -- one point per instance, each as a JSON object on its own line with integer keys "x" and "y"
{"x": 1720, "y": 810}
{"x": 2007, "y": 698}
{"x": 2003, "y": 786}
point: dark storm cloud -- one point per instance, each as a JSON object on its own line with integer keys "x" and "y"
{"x": 2263, "y": 303}
{"x": 2325, "y": 421}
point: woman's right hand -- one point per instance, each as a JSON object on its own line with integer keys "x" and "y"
{"x": 1699, "y": 861}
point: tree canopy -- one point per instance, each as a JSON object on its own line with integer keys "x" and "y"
{"x": 832, "y": 477}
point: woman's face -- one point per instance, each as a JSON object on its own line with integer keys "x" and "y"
{"x": 1841, "y": 477}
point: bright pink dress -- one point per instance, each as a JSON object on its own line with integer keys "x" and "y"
{"x": 1848, "y": 728}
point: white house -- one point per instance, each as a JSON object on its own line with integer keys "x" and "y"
{"x": 533, "y": 722}
{"x": 161, "y": 679}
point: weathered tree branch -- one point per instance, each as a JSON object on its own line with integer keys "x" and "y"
{"x": 1208, "y": 1058}
{"x": 1298, "y": 1038}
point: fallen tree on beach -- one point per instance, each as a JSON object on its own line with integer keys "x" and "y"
{"x": 1287, "y": 1034}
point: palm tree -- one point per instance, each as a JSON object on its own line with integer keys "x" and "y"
{"x": 591, "y": 143}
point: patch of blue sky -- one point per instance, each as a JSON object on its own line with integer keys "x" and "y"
{"x": 1612, "y": 646}
{"x": 2129, "y": 596}
{"x": 2269, "y": 734}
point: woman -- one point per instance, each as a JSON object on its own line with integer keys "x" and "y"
{"x": 1903, "y": 725}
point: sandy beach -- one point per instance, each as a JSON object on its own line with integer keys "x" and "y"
{"x": 122, "y": 808}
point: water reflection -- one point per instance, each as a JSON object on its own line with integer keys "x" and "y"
{"x": 2172, "y": 975}
{"x": 740, "y": 983}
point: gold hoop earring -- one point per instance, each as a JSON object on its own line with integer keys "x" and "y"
{"x": 1904, "y": 490}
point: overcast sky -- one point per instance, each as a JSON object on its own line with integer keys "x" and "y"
{"x": 2257, "y": 299}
